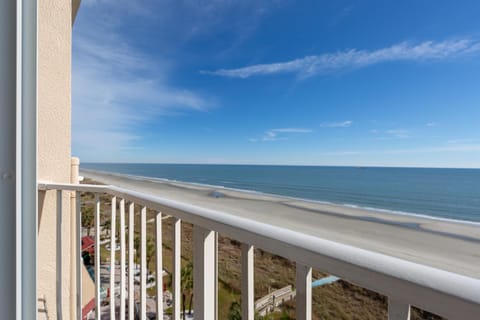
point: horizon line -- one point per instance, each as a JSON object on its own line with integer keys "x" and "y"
{"x": 282, "y": 165}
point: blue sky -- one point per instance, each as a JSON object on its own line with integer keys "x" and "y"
{"x": 364, "y": 83}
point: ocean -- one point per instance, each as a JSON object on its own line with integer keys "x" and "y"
{"x": 438, "y": 193}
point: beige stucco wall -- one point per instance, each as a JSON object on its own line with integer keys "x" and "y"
{"x": 54, "y": 113}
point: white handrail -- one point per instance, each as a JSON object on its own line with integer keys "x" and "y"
{"x": 445, "y": 293}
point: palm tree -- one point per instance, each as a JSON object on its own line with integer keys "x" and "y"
{"x": 187, "y": 286}
{"x": 150, "y": 249}
{"x": 136, "y": 244}
{"x": 235, "y": 311}
{"x": 106, "y": 226}
{"x": 150, "y": 252}
{"x": 88, "y": 219}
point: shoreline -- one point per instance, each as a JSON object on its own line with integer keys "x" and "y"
{"x": 380, "y": 211}
{"x": 448, "y": 245}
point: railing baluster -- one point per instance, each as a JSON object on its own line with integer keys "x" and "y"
{"x": 159, "y": 267}
{"x": 113, "y": 230}
{"x": 393, "y": 277}
{"x": 204, "y": 270}
{"x": 79, "y": 254}
{"x": 59, "y": 254}
{"x": 143, "y": 263}
{"x": 398, "y": 310}
{"x": 248, "y": 309}
{"x": 131, "y": 266}
{"x": 304, "y": 292}
{"x": 176, "y": 267}
{"x": 98, "y": 277}
{"x": 122, "y": 259}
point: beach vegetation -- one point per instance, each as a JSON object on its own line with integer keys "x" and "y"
{"x": 187, "y": 287}
{"x": 88, "y": 219}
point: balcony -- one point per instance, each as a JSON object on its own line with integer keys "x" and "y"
{"x": 405, "y": 283}
{"x": 35, "y": 143}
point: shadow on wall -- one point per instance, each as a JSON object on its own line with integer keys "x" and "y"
{"x": 41, "y": 200}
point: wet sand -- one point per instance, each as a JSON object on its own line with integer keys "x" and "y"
{"x": 442, "y": 244}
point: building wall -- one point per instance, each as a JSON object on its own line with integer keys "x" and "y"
{"x": 54, "y": 155}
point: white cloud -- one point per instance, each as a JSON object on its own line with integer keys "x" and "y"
{"x": 431, "y": 124}
{"x": 398, "y": 133}
{"x": 342, "y": 124}
{"x": 339, "y": 153}
{"x": 440, "y": 149}
{"x": 354, "y": 58}
{"x": 279, "y": 134}
{"x": 116, "y": 90}
{"x": 426, "y": 149}
{"x": 460, "y": 141}
{"x": 291, "y": 130}
{"x": 177, "y": 22}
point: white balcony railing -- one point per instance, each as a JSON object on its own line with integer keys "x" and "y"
{"x": 405, "y": 283}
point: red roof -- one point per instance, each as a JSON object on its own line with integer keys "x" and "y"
{"x": 88, "y": 307}
{"x": 87, "y": 242}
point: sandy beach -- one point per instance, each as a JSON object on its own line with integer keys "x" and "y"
{"x": 442, "y": 244}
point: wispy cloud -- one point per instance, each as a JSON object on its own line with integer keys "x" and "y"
{"x": 399, "y": 133}
{"x": 439, "y": 149}
{"x": 354, "y": 58}
{"x": 279, "y": 134}
{"x": 419, "y": 150}
{"x": 118, "y": 89}
{"x": 291, "y": 130}
{"x": 341, "y": 124}
{"x": 430, "y": 124}
{"x": 176, "y": 23}
{"x": 339, "y": 153}
{"x": 463, "y": 141}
